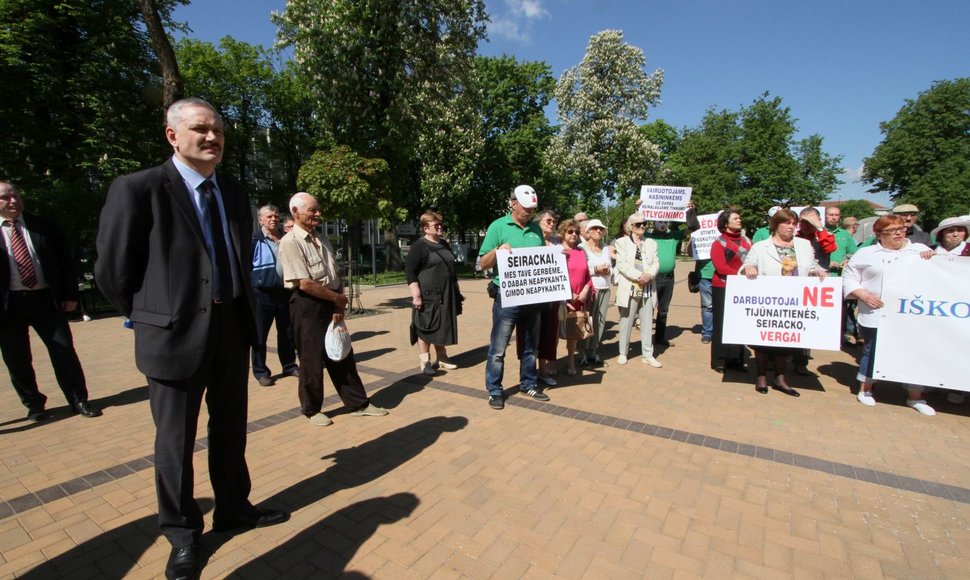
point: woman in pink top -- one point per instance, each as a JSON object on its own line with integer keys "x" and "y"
{"x": 580, "y": 281}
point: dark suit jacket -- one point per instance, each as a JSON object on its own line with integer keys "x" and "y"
{"x": 154, "y": 267}
{"x": 56, "y": 261}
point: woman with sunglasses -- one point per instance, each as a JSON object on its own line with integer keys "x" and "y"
{"x": 600, "y": 260}
{"x": 580, "y": 282}
{"x": 430, "y": 270}
{"x": 637, "y": 263}
{"x": 862, "y": 280}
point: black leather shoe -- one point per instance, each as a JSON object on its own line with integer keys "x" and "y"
{"x": 183, "y": 563}
{"x": 785, "y": 389}
{"x": 86, "y": 409}
{"x": 37, "y": 415}
{"x": 256, "y": 519}
{"x": 293, "y": 373}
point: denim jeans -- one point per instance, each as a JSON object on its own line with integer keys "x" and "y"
{"x": 707, "y": 308}
{"x": 504, "y": 321}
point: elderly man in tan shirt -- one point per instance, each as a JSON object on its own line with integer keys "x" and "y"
{"x": 309, "y": 268}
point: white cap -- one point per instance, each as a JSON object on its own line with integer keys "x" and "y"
{"x": 526, "y": 196}
{"x": 594, "y": 223}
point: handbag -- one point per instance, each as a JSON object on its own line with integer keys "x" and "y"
{"x": 694, "y": 282}
{"x": 574, "y": 324}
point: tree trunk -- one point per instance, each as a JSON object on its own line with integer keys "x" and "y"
{"x": 394, "y": 262}
{"x": 171, "y": 79}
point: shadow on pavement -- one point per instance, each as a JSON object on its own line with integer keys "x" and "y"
{"x": 365, "y": 334}
{"x": 324, "y": 549}
{"x": 110, "y": 555}
{"x": 353, "y": 467}
{"x": 391, "y": 396}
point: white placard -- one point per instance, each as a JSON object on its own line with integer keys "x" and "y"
{"x": 705, "y": 236}
{"x": 532, "y": 275}
{"x": 664, "y": 202}
{"x": 924, "y": 327}
{"x": 790, "y": 311}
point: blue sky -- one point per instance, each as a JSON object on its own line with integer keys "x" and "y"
{"x": 841, "y": 66}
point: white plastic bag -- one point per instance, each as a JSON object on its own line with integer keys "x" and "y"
{"x": 337, "y": 341}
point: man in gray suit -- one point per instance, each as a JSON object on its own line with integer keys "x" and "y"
{"x": 174, "y": 252}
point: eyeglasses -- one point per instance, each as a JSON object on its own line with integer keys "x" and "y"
{"x": 569, "y": 232}
{"x": 640, "y": 225}
{"x": 434, "y": 226}
{"x": 893, "y": 231}
{"x": 548, "y": 221}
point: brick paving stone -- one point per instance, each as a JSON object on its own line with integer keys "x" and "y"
{"x": 657, "y": 486}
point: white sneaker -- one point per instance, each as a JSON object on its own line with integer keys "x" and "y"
{"x": 621, "y": 359}
{"x": 446, "y": 364}
{"x": 321, "y": 420}
{"x": 866, "y": 398}
{"x": 86, "y": 318}
{"x": 921, "y": 406}
{"x": 649, "y": 360}
{"x": 956, "y": 398}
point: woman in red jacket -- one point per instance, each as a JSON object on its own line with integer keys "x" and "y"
{"x": 727, "y": 254}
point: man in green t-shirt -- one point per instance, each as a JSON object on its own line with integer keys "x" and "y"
{"x": 668, "y": 243}
{"x": 515, "y": 230}
{"x": 845, "y": 247}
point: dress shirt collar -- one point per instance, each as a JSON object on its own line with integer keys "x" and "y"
{"x": 191, "y": 176}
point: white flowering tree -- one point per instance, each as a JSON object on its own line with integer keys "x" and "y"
{"x": 600, "y": 103}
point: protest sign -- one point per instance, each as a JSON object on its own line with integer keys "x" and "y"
{"x": 703, "y": 238}
{"x": 924, "y": 327}
{"x": 664, "y": 203}
{"x": 532, "y": 275}
{"x": 790, "y": 311}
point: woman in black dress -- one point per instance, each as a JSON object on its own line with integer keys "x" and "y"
{"x": 430, "y": 270}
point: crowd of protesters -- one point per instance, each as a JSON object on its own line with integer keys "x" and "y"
{"x": 635, "y": 271}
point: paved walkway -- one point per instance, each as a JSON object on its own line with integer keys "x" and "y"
{"x": 628, "y": 472}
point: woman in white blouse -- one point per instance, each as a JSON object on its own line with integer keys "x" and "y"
{"x": 637, "y": 264}
{"x": 862, "y": 280}
{"x": 600, "y": 267}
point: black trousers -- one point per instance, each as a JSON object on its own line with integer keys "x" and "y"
{"x": 665, "y": 291}
{"x": 36, "y": 309}
{"x": 721, "y": 353}
{"x": 310, "y": 317}
{"x": 273, "y": 306}
{"x": 223, "y": 382}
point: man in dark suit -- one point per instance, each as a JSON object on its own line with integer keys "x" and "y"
{"x": 174, "y": 257}
{"x": 38, "y": 284}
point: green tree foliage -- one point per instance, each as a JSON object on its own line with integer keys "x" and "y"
{"x": 81, "y": 103}
{"x": 857, "y": 208}
{"x": 235, "y": 78}
{"x": 382, "y": 71}
{"x": 708, "y": 158}
{"x": 750, "y": 159}
{"x": 296, "y": 131}
{"x": 924, "y": 157}
{"x": 383, "y": 74}
{"x": 600, "y": 101}
{"x": 346, "y": 184}
{"x": 510, "y": 101}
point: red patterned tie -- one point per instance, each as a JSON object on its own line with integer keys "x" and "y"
{"x": 21, "y": 255}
